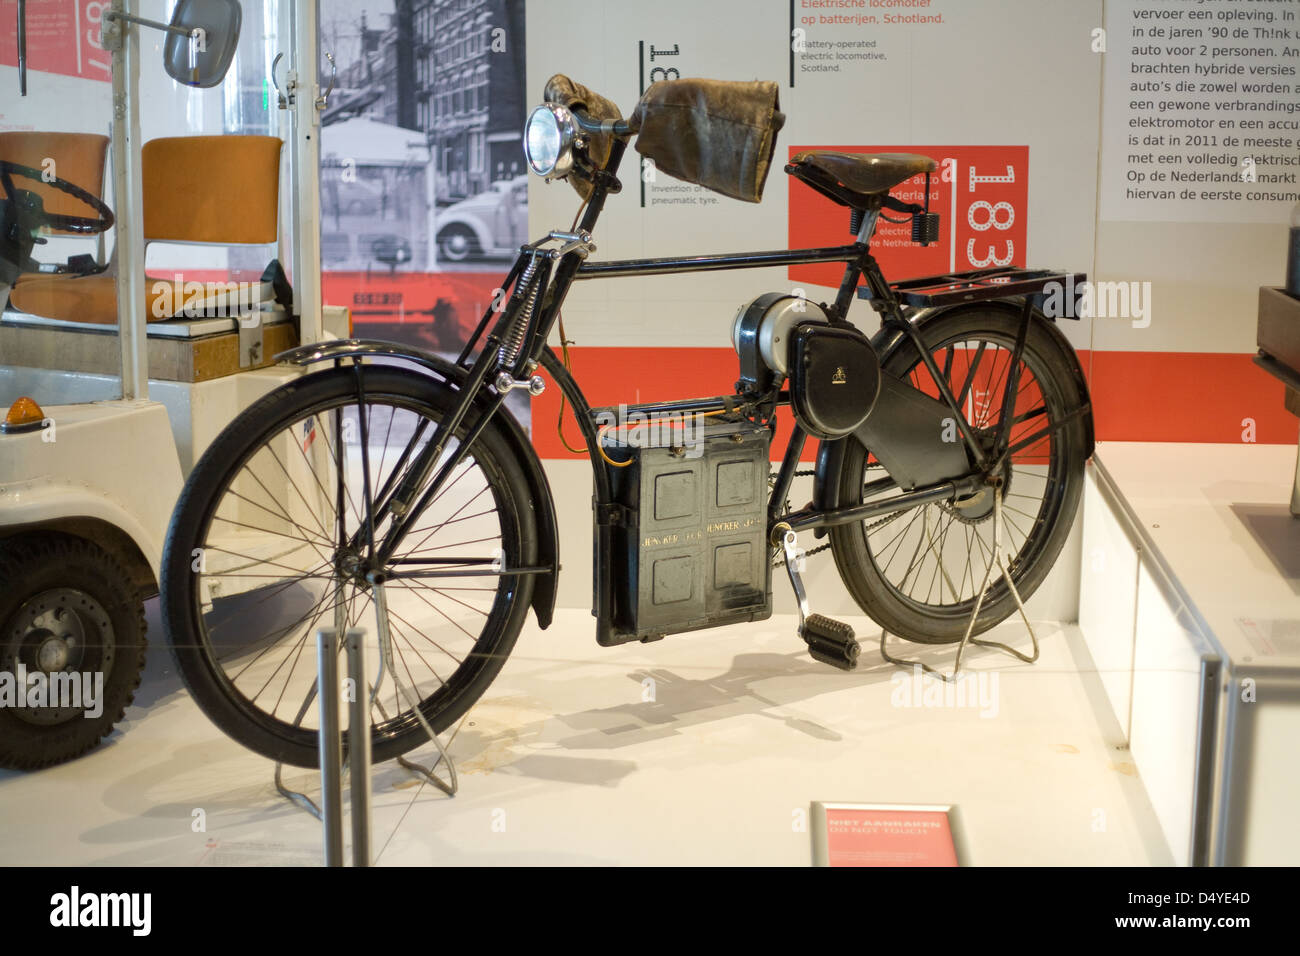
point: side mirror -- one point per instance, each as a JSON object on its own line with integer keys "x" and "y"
{"x": 201, "y": 41}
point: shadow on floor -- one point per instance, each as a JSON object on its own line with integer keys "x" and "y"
{"x": 1278, "y": 532}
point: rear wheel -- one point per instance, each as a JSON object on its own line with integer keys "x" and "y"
{"x": 918, "y": 572}
{"x": 269, "y": 543}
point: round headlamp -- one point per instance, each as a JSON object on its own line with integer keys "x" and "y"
{"x": 548, "y": 141}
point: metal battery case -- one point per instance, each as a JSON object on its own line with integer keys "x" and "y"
{"x": 690, "y": 550}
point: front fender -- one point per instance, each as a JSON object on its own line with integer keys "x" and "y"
{"x": 548, "y": 541}
{"x": 830, "y": 454}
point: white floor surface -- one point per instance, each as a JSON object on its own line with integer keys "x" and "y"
{"x": 564, "y": 762}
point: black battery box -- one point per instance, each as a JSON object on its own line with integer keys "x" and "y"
{"x": 690, "y": 549}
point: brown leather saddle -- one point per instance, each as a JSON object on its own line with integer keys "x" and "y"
{"x": 857, "y": 180}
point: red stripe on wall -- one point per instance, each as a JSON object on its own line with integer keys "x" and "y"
{"x": 1137, "y": 396}
{"x": 1186, "y": 397}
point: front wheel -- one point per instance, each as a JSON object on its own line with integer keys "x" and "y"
{"x": 918, "y": 572}
{"x": 270, "y": 543}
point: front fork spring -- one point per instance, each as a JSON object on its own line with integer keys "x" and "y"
{"x": 513, "y": 340}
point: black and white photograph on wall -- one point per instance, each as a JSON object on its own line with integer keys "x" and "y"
{"x": 423, "y": 190}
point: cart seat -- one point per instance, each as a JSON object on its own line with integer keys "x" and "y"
{"x": 93, "y": 298}
{"x": 857, "y": 179}
{"x": 197, "y": 189}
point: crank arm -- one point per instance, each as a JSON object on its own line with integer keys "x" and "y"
{"x": 790, "y": 548}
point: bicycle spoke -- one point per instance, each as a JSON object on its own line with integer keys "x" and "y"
{"x": 970, "y": 375}
{"x": 293, "y": 484}
{"x": 240, "y": 497}
{"x": 287, "y": 629}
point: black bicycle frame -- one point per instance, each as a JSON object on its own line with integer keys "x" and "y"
{"x": 558, "y": 276}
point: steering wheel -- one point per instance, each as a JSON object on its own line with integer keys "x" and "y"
{"x": 83, "y": 225}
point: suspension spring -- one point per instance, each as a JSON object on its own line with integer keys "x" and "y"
{"x": 518, "y": 330}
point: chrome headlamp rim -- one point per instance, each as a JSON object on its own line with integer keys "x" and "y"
{"x": 568, "y": 130}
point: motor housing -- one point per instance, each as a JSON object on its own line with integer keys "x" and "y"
{"x": 833, "y": 369}
{"x": 761, "y": 335}
{"x": 834, "y": 379}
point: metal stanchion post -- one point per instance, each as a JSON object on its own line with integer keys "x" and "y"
{"x": 330, "y": 743}
{"x": 326, "y": 691}
{"x": 359, "y": 747}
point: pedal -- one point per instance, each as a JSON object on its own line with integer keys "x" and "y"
{"x": 831, "y": 642}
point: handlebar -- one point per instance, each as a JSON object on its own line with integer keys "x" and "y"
{"x": 81, "y": 225}
{"x": 618, "y": 128}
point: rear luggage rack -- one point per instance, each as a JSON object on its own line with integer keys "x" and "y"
{"x": 981, "y": 284}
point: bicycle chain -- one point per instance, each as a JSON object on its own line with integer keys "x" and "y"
{"x": 780, "y": 563}
{"x": 876, "y": 523}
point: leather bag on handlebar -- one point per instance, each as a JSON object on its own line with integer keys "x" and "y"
{"x": 715, "y": 133}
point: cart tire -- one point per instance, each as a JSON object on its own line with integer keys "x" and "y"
{"x": 70, "y": 575}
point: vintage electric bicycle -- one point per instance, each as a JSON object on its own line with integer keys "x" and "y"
{"x": 392, "y": 491}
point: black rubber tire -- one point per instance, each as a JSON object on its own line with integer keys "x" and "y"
{"x": 927, "y": 624}
{"x": 449, "y": 253}
{"x": 212, "y": 691}
{"x": 37, "y": 562}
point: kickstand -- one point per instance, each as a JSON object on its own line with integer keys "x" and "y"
{"x": 449, "y": 786}
{"x": 452, "y": 784}
{"x": 979, "y": 604}
{"x": 293, "y": 796}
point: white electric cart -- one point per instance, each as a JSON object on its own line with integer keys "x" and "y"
{"x": 112, "y": 383}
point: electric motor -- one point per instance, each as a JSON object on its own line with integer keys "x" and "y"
{"x": 761, "y": 335}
